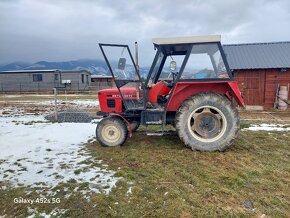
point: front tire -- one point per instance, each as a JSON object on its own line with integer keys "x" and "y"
{"x": 207, "y": 122}
{"x": 111, "y": 131}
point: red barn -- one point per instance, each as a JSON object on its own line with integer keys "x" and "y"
{"x": 259, "y": 68}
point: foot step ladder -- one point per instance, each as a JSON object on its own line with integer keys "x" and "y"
{"x": 153, "y": 117}
{"x": 155, "y": 133}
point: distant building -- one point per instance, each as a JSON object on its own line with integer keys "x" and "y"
{"x": 44, "y": 80}
{"x": 101, "y": 82}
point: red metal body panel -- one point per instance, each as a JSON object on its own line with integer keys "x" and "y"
{"x": 183, "y": 90}
{"x": 237, "y": 93}
{"x": 107, "y": 94}
{"x": 113, "y": 94}
{"x": 158, "y": 89}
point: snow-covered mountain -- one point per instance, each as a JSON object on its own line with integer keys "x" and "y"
{"x": 95, "y": 66}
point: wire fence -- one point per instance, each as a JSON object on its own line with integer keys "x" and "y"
{"x": 24, "y": 87}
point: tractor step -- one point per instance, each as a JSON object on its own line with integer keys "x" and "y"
{"x": 160, "y": 133}
{"x": 153, "y": 117}
{"x": 155, "y": 133}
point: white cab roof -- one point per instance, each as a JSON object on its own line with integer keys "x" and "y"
{"x": 184, "y": 40}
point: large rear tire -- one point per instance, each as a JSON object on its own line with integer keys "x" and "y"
{"x": 111, "y": 131}
{"x": 207, "y": 122}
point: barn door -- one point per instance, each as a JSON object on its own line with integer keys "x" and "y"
{"x": 252, "y": 86}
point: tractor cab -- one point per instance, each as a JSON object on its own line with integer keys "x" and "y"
{"x": 176, "y": 60}
{"x": 187, "y": 72}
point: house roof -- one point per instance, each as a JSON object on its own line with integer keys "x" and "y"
{"x": 94, "y": 76}
{"x": 43, "y": 71}
{"x": 258, "y": 55}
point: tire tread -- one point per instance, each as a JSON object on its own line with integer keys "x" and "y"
{"x": 195, "y": 100}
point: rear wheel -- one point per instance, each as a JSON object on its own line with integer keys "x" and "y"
{"x": 111, "y": 131}
{"x": 207, "y": 122}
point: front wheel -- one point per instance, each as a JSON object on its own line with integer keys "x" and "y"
{"x": 207, "y": 122}
{"x": 111, "y": 131}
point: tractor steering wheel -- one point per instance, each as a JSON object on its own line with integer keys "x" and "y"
{"x": 174, "y": 76}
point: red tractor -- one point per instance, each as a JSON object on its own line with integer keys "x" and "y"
{"x": 189, "y": 86}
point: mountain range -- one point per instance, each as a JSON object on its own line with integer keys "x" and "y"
{"x": 94, "y": 66}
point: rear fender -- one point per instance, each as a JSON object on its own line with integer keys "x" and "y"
{"x": 184, "y": 90}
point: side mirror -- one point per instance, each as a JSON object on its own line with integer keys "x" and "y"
{"x": 173, "y": 65}
{"x": 122, "y": 64}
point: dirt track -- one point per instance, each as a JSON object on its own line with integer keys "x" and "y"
{"x": 266, "y": 116}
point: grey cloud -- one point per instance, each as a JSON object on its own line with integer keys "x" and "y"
{"x": 33, "y": 30}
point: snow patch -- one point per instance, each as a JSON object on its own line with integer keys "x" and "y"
{"x": 54, "y": 212}
{"x": 268, "y": 127}
{"x": 81, "y": 103}
{"x": 36, "y": 153}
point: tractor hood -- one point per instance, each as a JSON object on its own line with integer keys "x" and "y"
{"x": 114, "y": 92}
{"x": 112, "y": 102}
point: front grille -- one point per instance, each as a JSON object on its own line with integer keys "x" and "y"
{"x": 111, "y": 103}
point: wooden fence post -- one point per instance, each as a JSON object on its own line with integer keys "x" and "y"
{"x": 55, "y": 103}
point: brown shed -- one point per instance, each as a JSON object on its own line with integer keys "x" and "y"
{"x": 99, "y": 82}
{"x": 259, "y": 68}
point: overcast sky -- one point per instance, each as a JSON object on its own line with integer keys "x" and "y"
{"x": 59, "y": 30}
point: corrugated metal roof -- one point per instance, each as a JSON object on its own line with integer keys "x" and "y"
{"x": 258, "y": 55}
{"x": 27, "y": 71}
{"x": 94, "y": 76}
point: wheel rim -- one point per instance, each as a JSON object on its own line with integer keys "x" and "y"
{"x": 111, "y": 133}
{"x": 207, "y": 124}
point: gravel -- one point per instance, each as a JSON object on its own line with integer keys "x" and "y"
{"x": 248, "y": 205}
{"x": 72, "y": 116}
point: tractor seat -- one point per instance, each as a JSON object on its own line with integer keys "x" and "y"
{"x": 161, "y": 88}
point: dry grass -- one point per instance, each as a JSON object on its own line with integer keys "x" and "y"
{"x": 169, "y": 180}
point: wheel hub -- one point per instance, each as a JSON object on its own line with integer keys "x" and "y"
{"x": 207, "y": 123}
{"x": 111, "y": 133}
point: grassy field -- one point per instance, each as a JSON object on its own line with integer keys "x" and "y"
{"x": 250, "y": 179}
{"x": 162, "y": 178}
